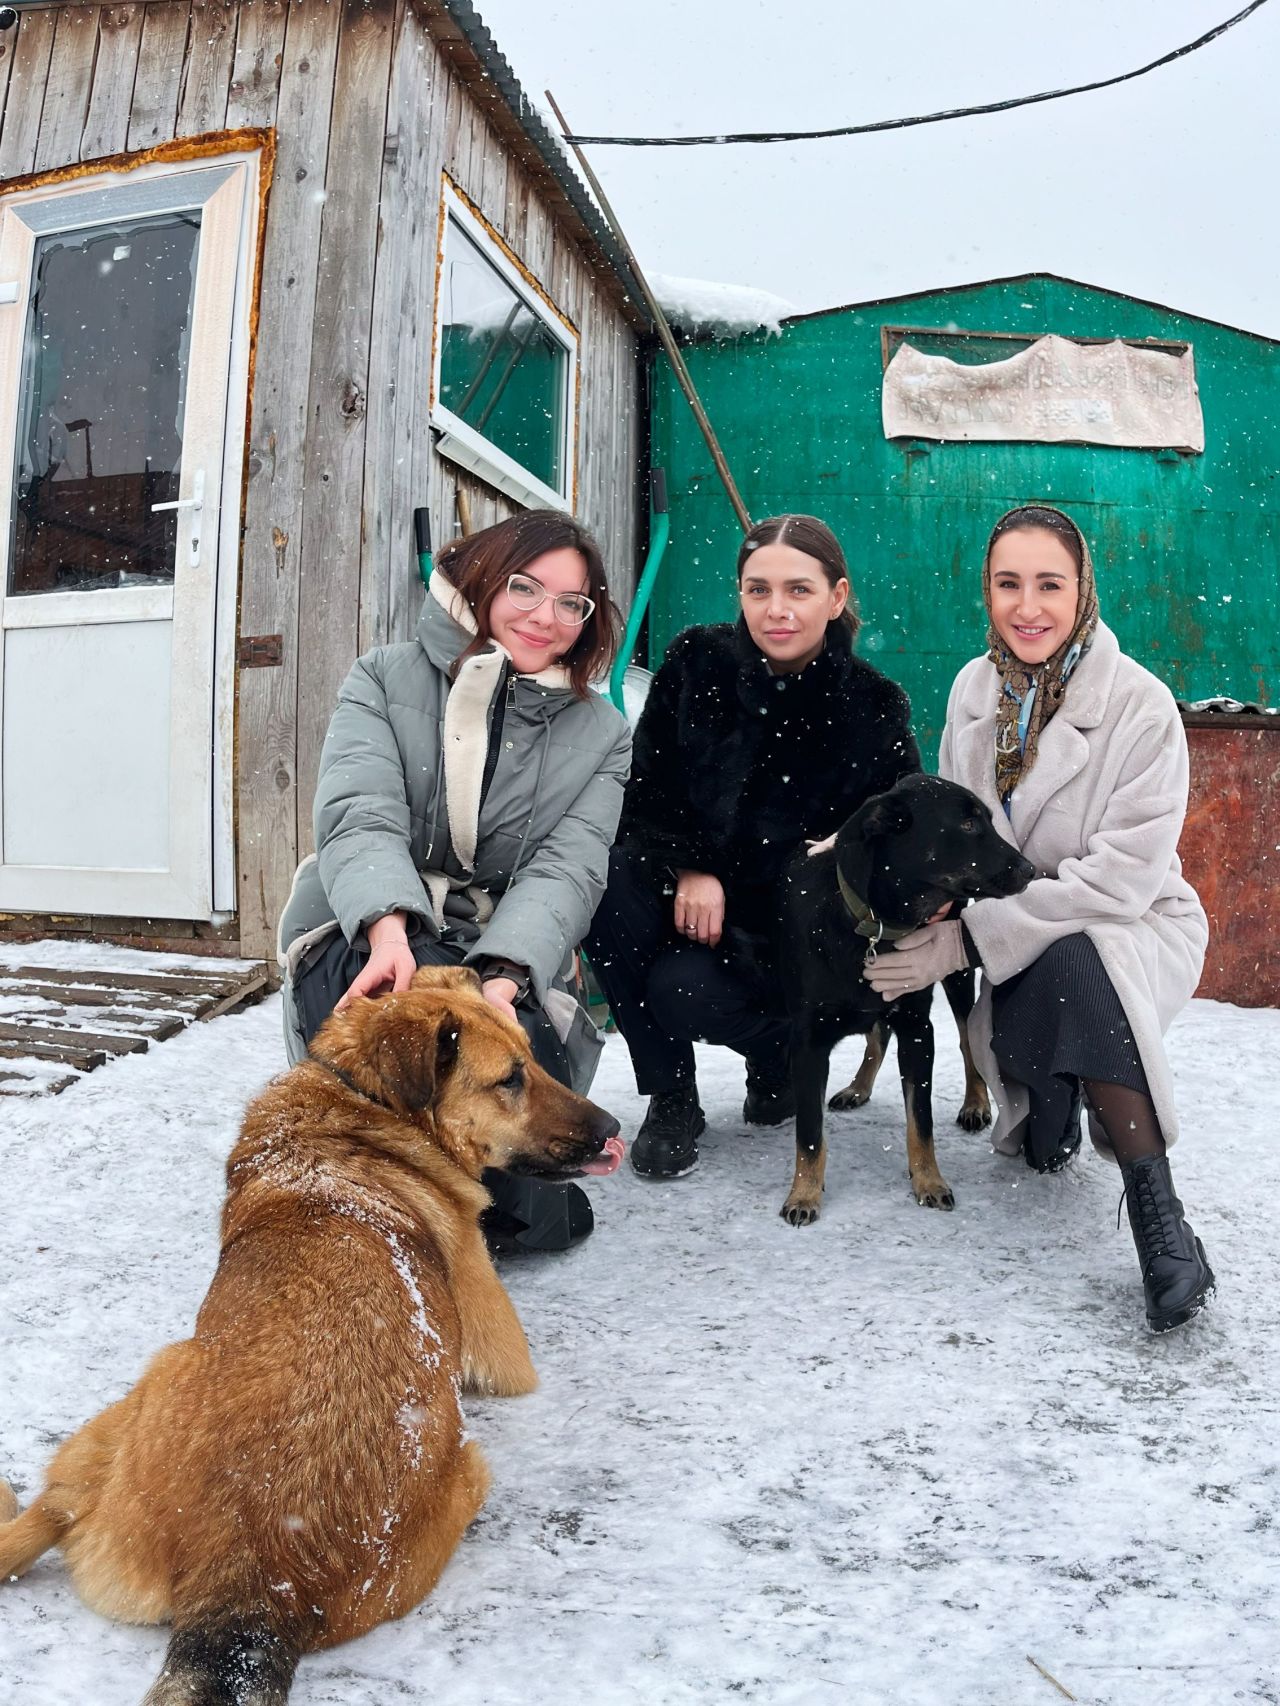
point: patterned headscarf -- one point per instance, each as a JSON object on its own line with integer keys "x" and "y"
{"x": 1030, "y": 694}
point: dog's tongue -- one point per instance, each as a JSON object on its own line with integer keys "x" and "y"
{"x": 609, "y": 1158}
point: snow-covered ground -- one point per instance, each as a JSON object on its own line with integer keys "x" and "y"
{"x": 892, "y": 1458}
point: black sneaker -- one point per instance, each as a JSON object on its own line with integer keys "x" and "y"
{"x": 533, "y": 1214}
{"x": 770, "y": 1098}
{"x": 666, "y": 1146}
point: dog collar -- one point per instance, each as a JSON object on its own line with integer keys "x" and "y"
{"x": 346, "y": 1079}
{"x": 865, "y": 921}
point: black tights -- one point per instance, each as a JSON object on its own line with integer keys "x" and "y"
{"x": 1129, "y": 1119}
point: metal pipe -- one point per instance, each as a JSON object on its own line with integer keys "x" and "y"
{"x": 660, "y": 320}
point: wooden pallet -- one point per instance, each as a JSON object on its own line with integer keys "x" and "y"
{"x": 57, "y": 1023}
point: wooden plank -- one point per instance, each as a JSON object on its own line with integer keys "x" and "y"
{"x": 8, "y": 43}
{"x": 248, "y": 995}
{"x": 70, "y": 1040}
{"x": 272, "y": 549}
{"x": 422, "y": 117}
{"x": 329, "y": 579}
{"x": 83, "y": 1059}
{"x": 156, "y": 1027}
{"x": 174, "y": 983}
{"x": 106, "y": 127}
{"x": 406, "y": 224}
{"x": 206, "y": 79}
{"x": 22, "y": 1084}
{"x": 153, "y": 111}
{"x": 66, "y": 97}
{"x": 25, "y": 102}
{"x": 255, "y": 72}
{"x": 142, "y": 1009}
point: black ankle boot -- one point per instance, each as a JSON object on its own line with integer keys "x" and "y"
{"x": 770, "y": 1099}
{"x": 1176, "y": 1277}
{"x": 666, "y": 1146}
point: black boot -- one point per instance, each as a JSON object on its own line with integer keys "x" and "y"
{"x": 1176, "y": 1277}
{"x": 533, "y": 1214}
{"x": 666, "y": 1146}
{"x": 1066, "y": 1148}
{"x": 770, "y": 1099}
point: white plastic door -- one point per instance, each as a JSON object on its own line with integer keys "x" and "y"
{"x": 117, "y": 309}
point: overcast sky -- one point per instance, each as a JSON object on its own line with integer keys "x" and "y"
{"x": 1166, "y": 188}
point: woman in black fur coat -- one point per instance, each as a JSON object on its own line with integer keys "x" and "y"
{"x": 756, "y": 735}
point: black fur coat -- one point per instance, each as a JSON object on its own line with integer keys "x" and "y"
{"x": 734, "y": 766}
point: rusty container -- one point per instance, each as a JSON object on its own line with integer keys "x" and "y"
{"x": 1230, "y": 851}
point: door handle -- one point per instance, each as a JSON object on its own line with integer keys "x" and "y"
{"x": 195, "y": 503}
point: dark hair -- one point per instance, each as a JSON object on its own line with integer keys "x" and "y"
{"x": 806, "y": 533}
{"x": 1050, "y": 520}
{"x": 478, "y": 567}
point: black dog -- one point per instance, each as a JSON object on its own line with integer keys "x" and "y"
{"x": 896, "y": 862}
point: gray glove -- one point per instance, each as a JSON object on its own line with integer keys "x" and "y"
{"x": 924, "y": 957}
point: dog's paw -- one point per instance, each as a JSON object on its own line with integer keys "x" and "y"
{"x": 852, "y": 1096}
{"x": 973, "y": 1116}
{"x": 933, "y": 1191}
{"x": 800, "y": 1210}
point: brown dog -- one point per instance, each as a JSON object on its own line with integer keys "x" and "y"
{"x": 298, "y": 1471}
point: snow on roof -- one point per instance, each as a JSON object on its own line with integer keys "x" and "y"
{"x": 725, "y": 310}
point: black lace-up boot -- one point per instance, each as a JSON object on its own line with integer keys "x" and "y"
{"x": 666, "y": 1146}
{"x": 770, "y": 1099}
{"x": 1176, "y": 1276}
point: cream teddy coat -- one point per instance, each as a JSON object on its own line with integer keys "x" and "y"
{"x": 1098, "y": 815}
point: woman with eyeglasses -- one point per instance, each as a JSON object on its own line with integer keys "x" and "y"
{"x": 469, "y": 790}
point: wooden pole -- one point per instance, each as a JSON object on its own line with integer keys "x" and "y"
{"x": 664, "y": 329}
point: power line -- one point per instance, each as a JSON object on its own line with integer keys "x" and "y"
{"x": 921, "y": 118}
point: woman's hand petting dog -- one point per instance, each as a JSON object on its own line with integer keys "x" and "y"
{"x": 390, "y": 965}
{"x": 925, "y": 956}
{"x": 699, "y": 910}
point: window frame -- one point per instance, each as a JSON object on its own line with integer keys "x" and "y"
{"x": 462, "y": 443}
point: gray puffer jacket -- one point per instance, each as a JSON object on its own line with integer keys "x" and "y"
{"x": 401, "y": 824}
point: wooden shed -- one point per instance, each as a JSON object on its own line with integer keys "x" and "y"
{"x": 273, "y": 275}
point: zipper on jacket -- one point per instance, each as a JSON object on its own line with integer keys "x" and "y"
{"x": 502, "y": 701}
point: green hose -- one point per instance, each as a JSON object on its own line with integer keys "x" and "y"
{"x": 659, "y": 534}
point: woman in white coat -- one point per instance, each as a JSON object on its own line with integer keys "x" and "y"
{"x": 1082, "y": 758}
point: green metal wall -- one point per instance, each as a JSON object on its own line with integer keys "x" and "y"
{"x": 1185, "y": 547}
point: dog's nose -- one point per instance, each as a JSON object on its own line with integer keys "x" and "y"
{"x": 603, "y": 1126}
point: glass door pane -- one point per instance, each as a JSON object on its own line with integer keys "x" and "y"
{"x": 101, "y": 408}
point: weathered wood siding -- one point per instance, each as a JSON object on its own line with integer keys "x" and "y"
{"x": 370, "y": 110}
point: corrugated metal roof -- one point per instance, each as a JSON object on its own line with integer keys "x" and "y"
{"x": 1025, "y": 278}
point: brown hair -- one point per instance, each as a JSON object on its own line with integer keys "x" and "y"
{"x": 478, "y": 567}
{"x": 1050, "y": 520}
{"x": 806, "y": 533}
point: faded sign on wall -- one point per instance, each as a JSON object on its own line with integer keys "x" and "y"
{"x": 1055, "y": 392}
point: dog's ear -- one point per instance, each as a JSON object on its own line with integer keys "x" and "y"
{"x": 884, "y": 816}
{"x": 413, "y": 1058}
{"x": 446, "y": 977}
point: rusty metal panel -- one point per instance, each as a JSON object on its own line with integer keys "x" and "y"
{"x": 1231, "y": 853}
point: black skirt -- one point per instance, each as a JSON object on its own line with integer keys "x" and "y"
{"x": 1054, "y": 1024}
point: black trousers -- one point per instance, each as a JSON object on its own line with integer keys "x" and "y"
{"x": 320, "y": 985}
{"x": 666, "y": 993}
{"x": 1055, "y": 1023}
